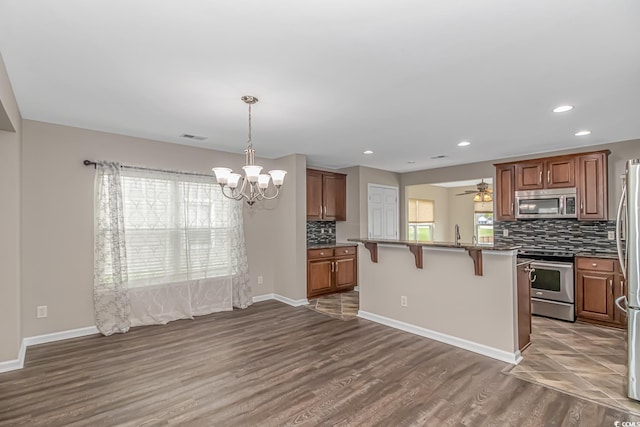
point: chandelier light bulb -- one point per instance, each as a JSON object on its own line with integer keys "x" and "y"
{"x": 277, "y": 176}
{"x": 233, "y": 180}
{"x": 252, "y": 172}
{"x": 263, "y": 180}
{"x": 222, "y": 174}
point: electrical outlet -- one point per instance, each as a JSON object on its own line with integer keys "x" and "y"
{"x": 611, "y": 235}
{"x": 403, "y": 301}
{"x": 41, "y": 311}
{"x": 260, "y": 280}
{"x": 505, "y": 232}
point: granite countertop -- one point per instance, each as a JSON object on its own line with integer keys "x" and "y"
{"x": 328, "y": 245}
{"x": 439, "y": 244}
{"x": 595, "y": 254}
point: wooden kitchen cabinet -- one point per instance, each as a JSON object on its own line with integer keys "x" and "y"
{"x": 597, "y": 286}
{"x": 326, "y": 196}
{"x": 524, "y": 305}
{"x": 554, "y": 172}
{"x": 587, "y": 172}
{"x": 592, "y": 186}
{"x": 331, "y": 270}
{"x": 504, "y": 193}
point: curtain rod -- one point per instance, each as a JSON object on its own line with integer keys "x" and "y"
{"x": 95, "y": 164}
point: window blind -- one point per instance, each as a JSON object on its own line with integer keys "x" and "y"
{"x": 420, "y": 210}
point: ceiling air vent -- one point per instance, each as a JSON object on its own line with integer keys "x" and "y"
{"x": 195, "y": 137}
{"x": 439, "y": 157}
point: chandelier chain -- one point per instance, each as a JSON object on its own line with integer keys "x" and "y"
{"x": 249, "y": 142}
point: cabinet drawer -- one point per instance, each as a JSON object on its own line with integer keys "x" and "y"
{"x": 319, "y": 253}
{"x": 351, "y": 250}
{"x": 594, "y": 264}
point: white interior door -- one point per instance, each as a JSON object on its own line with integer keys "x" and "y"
{"x": 383, "y": 212}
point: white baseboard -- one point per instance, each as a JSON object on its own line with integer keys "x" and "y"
{"x": 18, "y": 363}
{"x": 58, "y": 336}
{"x": 494, "y": 353}
{"x": 289, "y": 301}
{"x": 265, "y": 297}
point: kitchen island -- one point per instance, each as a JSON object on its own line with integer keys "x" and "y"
{"x": 460, "y": 294}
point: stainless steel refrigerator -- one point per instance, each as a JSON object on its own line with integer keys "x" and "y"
{"x": 629, "y": 219}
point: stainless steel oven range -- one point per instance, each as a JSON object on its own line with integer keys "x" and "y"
{"x": 552, "y": 283}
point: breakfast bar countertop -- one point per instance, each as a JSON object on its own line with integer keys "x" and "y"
{"x": 426, "y": 244}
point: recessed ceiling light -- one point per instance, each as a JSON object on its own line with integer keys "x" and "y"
{"x": 463, "y": 143}
{"x": 563, "y": 108}
{"x": 441, "y": 156}
{"x": 367, "y": 152}
{"x": 583, "y": 133}
{"x": 411, "y": 162}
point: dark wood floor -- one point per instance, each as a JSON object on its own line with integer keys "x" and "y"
{"x": 274, "y": 365}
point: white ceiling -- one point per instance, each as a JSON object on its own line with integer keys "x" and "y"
{"x": 406, "y": 79}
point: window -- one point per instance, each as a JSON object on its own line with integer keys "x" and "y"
{"x": 421, "y": 216}
{"x": 176, "y": 228}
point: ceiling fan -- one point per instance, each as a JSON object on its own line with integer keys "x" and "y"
{"x": 482, "y": 194}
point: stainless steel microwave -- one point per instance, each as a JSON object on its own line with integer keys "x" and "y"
{"x": 553, "y": 203}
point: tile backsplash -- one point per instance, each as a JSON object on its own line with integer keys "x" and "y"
{"x": 321, "y": 232}
{"x": 561, "y": 234}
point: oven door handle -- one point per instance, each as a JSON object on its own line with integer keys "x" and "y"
{"x": 565, "y": 266}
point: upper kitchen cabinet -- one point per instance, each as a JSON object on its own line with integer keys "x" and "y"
{"x": 586, "y": 172}
{"x": 326, "y": 196}
{"x": 592, "y": 186}
{"x": 556, "y": 172}
{"x": 504, "y": 197}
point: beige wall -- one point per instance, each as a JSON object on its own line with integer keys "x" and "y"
{"x": 57, "y": 206}
{"x": 461, "y": 213}
{"x": 450, "y": 209}
{"x": 440, "y": 197}
{"x": 351, "y": 227}
{"x": 445, "y": 296}
{"x": 10, "y": 324}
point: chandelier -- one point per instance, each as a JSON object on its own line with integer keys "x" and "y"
{"x": 253, "y": 186}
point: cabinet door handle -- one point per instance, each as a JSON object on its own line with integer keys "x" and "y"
{"x": 320, "y": 211}
{"x": 540, "y": 180}
{"x": 581, "y": 206}
{"x": 548, "y": 177}
{"x": 512, "y": 207}
{"x": 336, "y": 266}
{"x": 621, "y": 287}
{"x": 611, "y": 286}
{"x": 332, "y": 266}
{"x": 594, "y": 265}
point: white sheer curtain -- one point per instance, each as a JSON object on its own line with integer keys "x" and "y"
{"x": 184, "y": 246}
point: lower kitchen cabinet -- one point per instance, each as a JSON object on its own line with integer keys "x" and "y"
{"x": 524, "y": 305}
{"x": 598, "y": 283}
{"x": 331, "y": 270}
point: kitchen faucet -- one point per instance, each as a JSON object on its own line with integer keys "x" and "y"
{"x": 456, "y": 230}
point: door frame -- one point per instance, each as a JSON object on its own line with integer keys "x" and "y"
{"x": 396, "y": 189}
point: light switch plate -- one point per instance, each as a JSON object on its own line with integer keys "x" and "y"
{"x": 611, "y": 235}
{"x": 505, "y": 232}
